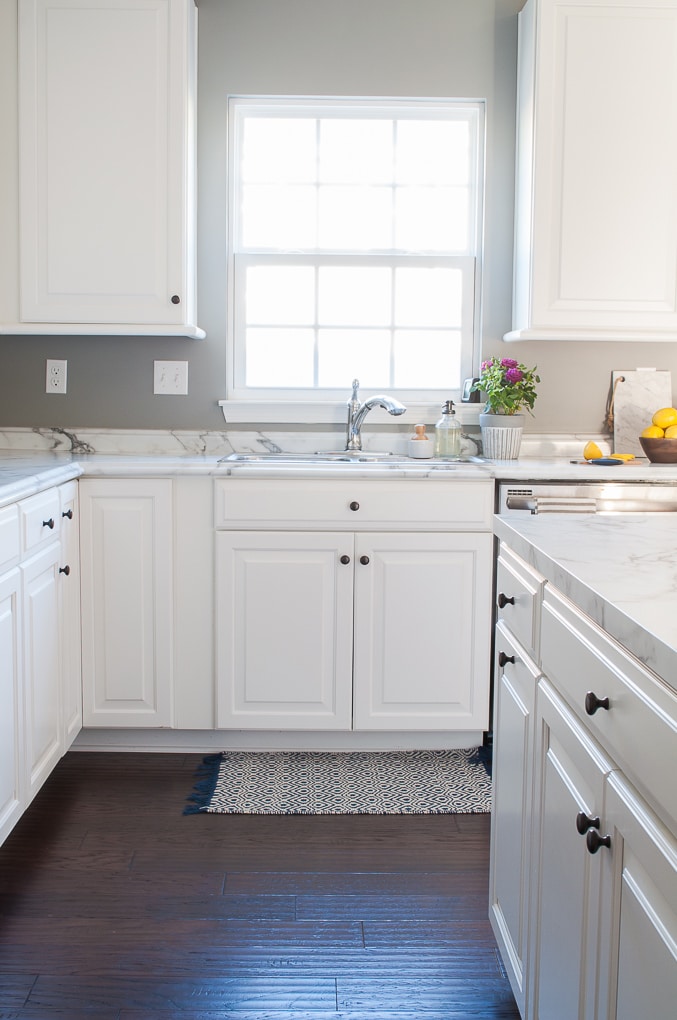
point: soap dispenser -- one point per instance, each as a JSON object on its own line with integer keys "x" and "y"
{"x": 448, "y": 433}
{"x": 419, "y": 445}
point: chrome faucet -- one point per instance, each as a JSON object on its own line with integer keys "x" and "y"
{"x": 357, "y": 412}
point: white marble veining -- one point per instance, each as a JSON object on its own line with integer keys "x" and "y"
{"x": 620, "y": 570}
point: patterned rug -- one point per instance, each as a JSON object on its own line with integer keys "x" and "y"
{"x": 350, "y": 783}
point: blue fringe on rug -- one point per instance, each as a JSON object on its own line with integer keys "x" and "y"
{"x": 207, "y": 776}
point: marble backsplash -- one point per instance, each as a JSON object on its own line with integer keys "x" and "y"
{"x": 171, "y": 442}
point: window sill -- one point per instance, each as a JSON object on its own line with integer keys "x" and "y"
{"x": 249, "y": 412}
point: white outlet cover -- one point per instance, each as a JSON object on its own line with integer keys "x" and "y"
{"x": 170, "y": 377}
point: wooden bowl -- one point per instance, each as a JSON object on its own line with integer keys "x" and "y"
{"x": 660, "y": 451}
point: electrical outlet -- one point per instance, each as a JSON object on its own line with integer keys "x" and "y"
{"x": 56, "y": 376}
{"x": 170, "y": 377}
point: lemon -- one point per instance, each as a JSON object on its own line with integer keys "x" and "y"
{"x": 665, "y": 417}
{"x": 671, "y": 432}
{"x": 653, "y": 432}
{"x": 625, "y": 456}
{"x": 592, "y": 451}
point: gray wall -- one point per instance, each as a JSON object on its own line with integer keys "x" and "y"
{"x": 457, "y": 48}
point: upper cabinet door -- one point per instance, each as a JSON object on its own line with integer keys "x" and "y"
{"x": 106, "y": 94}
{"x": 596, "y": 206}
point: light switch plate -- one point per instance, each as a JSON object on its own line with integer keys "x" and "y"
{"x": 170, "y": 377}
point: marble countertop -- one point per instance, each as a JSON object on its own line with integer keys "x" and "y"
{"x": 619, "y": 569}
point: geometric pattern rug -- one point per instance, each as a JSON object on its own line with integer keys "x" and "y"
{"x": 344, "y": 783}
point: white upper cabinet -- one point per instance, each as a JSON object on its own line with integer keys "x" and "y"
{"x": 106, "y": 165}
{"x": 596, "y": 204}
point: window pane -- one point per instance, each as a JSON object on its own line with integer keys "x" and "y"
{"x": 279, "y": 357}
{"x": 354, "y": 295}
{"x": 280, "y": 295}
{"x": 354, "y": 151}
{"x": 278, "y": 216}
{"x": 433, "y": 152}
{"x": 355, "y": 218}
{"x": 432, "y": 219}
{"x": 345, "y": 354}
{"x": 426, "y": 359}
{"x": 279, "y": 149}
{"x": 428, "y": 297}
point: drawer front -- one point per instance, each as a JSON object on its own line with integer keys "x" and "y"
{"x": 353, "y": 505}
{"x": 639, "y": 728}
{"x": 40, "y": 516}
{"x": 519, "y": 592}
{"x": 9, "y": 536}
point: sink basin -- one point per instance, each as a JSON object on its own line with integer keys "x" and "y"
{"x": 345, "y": 457}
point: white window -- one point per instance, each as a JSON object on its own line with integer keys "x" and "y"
{"x": 354, "y": 234}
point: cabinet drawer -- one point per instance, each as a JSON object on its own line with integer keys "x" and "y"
{"x": 353, "y": 505}
{"x": 40, "y": 517}
{"x": 519, "y": 593}
{"x": 9, "y": 536}
{"x": 639, "y": 728}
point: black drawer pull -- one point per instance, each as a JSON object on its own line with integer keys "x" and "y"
{"x": 65, "y": 570}
{"x": 364, "y": 560}
{"x": 49, "y": 523}
{"x": 354, "y": 505}
{"x": 345, "y": 559}
{"x": 585, "y": 822}
{"x": 504, "y": 601}
{"x": 503, "y": 659}
{"x": 68, "y": 513}
{"x": 594, "y": 841}
{"x": 592, "y": 703}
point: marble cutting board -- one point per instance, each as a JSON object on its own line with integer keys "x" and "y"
{"x": 637, "y": 395}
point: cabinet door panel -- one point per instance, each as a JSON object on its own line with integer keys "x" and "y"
{"x": 11, "y": 716}
{"x": 42, "y": 665}
{"x": 638, "y": 940}
{"x": 127, "y": 613}
{"x": 69, "y": 581}
{"x": 422, "y": 631}
{"x": 563, "y": 937}
{"x": 284, "y": 630}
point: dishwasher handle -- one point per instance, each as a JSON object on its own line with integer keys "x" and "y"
{"x": 552, "y": 504}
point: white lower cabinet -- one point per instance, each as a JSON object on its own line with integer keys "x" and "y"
{"x": 11, "y": 698}
{"x": 584, "y": 856}
{"x": 344, "y": 629}
{"x": 127, "y": 602}
{"x": 69, "y": 584}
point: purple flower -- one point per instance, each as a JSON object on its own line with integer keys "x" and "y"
{"x": 509, "y": 363}
{"x": 487, "y": 364}
{"x": 513, "y": 375}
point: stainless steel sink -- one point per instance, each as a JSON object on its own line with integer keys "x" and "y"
{"x": 331, "y": 457}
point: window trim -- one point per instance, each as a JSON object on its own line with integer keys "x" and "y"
{"x": 246, "y": 404}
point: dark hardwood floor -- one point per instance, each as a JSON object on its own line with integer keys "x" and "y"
{"x": 114, "y": 905}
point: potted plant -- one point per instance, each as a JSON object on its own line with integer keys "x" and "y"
{"x": 508, "y": 387}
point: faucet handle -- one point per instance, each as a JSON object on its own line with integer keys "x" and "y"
{"x": 356, "y": 386}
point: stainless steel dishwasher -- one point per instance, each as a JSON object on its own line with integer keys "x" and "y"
{"x": 594, "y": 497}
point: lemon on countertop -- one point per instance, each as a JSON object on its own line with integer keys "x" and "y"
{"x": 665, "y": 417}
{"x": 653, "y": 432}
{"x": 623, "y": 456}
{"x": 591, "y": 451}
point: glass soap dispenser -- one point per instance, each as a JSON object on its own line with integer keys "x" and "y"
{"x": 448, "y": 433}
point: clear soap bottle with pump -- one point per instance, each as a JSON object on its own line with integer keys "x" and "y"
{"x": 448, "y": 433}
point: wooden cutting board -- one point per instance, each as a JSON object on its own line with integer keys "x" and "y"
{"x": 637, "y": 394}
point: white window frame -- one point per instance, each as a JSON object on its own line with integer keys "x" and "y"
{"x": 248, "y": 404}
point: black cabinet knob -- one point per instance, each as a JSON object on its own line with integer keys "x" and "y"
{"x": 354, "y": 505}
{"x": 68, "y": 513}
{"x": 49, "y": 523}
{"x": 364, "y": 560}
{"x": 345, "y": 559}
{"x": 594, "y": 841}
{"x": 585, "y": 822}
{"x": 65, "y": 570}
{"x": 592, "y": 703}
{"x": 504, "y": 601}
{"x": 176, "y": 300}
{"x": 503, "y": 659}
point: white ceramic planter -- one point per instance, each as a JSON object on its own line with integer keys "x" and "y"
{"x": 501, "y": 435}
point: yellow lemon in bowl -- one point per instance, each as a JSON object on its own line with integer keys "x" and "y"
{"x": 664, "y": 418}
{"x": 671, "y": 432}
{"x": 653, "y": 432}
